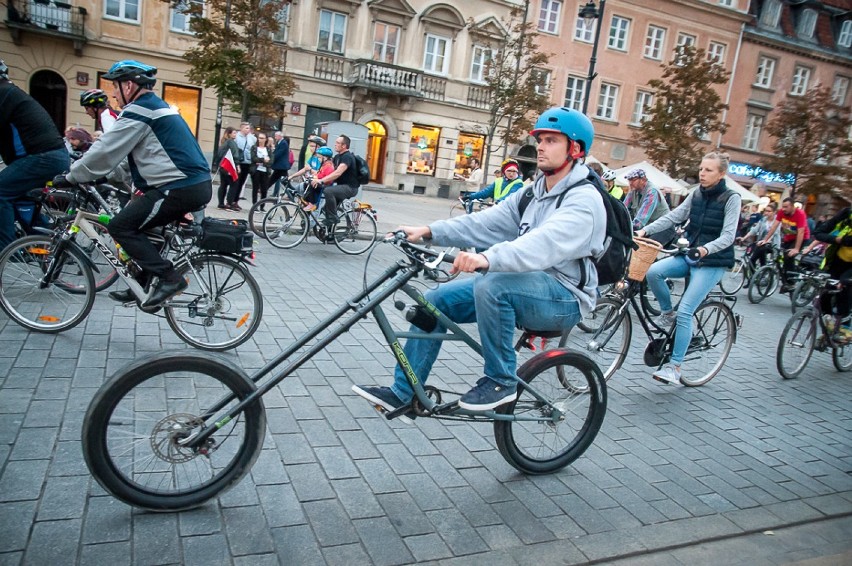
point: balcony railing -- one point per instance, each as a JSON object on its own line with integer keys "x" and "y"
{"x": 434, "y": 88}
{"x": 329, "y": 68}
{"x": 478, "y": 97}
{"x": 53, "y": 17}
{"x": 385, "y": 78}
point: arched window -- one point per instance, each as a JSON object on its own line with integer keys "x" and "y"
{"x": 49, "y": 89}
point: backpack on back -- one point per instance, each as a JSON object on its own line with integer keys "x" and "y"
{"x": 362, "y": 170}
{"x": 612, "y": 264}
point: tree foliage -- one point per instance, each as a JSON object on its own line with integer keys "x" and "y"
{"x": 239, "y": 60}
{"x": 513, "y": 80}
{"x": 812, "y": 142}
{"x": 686, "y": 110}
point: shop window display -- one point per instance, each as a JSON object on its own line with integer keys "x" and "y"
{"x": 422, "y": 150}
{"x": 469, "y": 148}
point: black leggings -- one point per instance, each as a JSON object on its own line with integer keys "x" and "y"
{"x": 150, "y": 210}
{"x": 333, "y": 195}
{"x": 225, "y": 182}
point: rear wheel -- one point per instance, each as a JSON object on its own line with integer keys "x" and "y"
{"x": 137, "y": 423}
{"x": 763, "y": 284}
{"x": 41, "y": 302}
{"x": 796, "y": 343}
{"x": 804, "y": 293}
{"x": 355, "y": 231}
{"x": 220, "y": 309}
{"x": 734, "y": 279}
{"x": 570, "y": 419}
{"x": 842, "y": 357}
{"x": 257, "y": 213}
{"x": 458, "y": 209}
{"x": 608, "y": 339}
{"x": 285, "y": 225}
{"x": 714, "y": 330}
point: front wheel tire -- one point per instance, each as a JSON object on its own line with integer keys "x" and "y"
{"x": 796, "y": 343}
{"x": 135, "y": 425}
{"x": 711, "y": 343}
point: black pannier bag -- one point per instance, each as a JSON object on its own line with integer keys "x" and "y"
{"x": 225, "y": 236}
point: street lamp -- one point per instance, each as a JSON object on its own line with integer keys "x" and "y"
{"x": 589, "y": 13}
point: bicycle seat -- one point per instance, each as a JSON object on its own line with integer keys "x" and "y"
{"x": 543, "y": 333}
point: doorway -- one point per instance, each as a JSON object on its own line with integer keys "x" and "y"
{"x": 376, "y": 149}
{"x": 49, "y": 90}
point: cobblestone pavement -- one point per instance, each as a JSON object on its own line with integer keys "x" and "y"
{"x": 677, "y": 475}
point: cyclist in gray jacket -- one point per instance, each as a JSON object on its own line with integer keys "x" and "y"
{"x": 538, "y": 268}
{"x": 168, "y": 169}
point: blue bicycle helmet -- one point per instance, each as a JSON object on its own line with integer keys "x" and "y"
{"x": 133, "y": 71}
{"x": 325, "y": 152}
{"x": 566, "y": 121}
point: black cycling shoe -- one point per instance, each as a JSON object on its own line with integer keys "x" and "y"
{"x": 125, "y": 296}
{"x": 165, "y": 290}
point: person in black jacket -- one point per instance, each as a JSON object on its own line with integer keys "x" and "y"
{"x": 280, "y": 161}
{"x": 31, "y": 147}
{"x": 837, "y": 231}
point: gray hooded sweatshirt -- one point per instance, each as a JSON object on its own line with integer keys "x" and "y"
{"x": 559, "y": 241}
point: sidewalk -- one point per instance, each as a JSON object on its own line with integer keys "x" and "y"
{"x": 676, "y": 476}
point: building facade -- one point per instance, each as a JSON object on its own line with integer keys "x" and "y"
{"x": 411, "y": 71}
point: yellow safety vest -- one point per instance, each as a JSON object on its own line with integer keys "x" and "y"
{"x": 500, "y": 191}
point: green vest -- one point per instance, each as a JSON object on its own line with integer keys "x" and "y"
{"x": 500, "y": 191}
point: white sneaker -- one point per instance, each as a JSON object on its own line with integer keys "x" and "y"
{"x": 666, "y": 320}
{"x": 668, "y": 374}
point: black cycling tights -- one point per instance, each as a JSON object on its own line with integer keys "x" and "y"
{"x": 150, "y": 210}
{"x": 842, "y": 270}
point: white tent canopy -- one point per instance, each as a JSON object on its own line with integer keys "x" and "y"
{"x": 657, "y": 177}
{"x": 747, "y": 196}
{"x": 661, "y": 180}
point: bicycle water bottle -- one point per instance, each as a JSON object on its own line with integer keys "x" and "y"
{"x": 132, "y": 267}
{"x": 418, "y": 316}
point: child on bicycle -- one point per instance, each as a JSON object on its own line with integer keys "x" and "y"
{"x": 713, "y": 211}
{"x": 313, "y": 193}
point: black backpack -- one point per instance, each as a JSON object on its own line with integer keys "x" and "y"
{"x": 618, "y": 243}
{"x": 362, "y": 170}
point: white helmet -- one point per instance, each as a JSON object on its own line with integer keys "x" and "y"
{"x": 609, "y": 175}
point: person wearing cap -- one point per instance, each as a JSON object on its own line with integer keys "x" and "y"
{"x": 646, "y": 204}
{"x": 80, "y": 141}
{"x": 31, "y": 147}
{"x": 312, "y": 162}
{"x": 508, "y": 182}
{"x": 537, "y": 268}
{"x": 169, "y": 171}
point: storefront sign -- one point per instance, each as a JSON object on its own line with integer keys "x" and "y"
{"x": 757, "y": 172}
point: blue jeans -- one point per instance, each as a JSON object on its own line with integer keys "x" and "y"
{"x": 701, "y": 280}
{"x": 22, "y": 175}
{"x": 497, "y": 302}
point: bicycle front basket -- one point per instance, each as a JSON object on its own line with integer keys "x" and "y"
{"x": 226, "y": 236}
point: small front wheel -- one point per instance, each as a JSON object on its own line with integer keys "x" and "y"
{"x": 763, "y": 284}
{"x": 713, "y": 333}
{"x": 355, "y": 231}
{"x": 137, "y": 424}
{"x": 796, "y": 343}
{"x": 285, "y": 225}
{"x": 43, "y": 290}
{"x": 551, "y": 431}
{"x": 222, "y": 306}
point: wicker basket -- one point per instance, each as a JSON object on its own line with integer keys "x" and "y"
{"x": 641, "y": 259}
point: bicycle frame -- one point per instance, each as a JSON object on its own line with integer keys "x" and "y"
{"x": 395, "y": 278}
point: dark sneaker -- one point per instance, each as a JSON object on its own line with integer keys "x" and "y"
{"x": 486, "y": 395}
{"x": 164, "y": 291}
{"x": 384, "y": 400}
{"x": 125, "y": 296}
